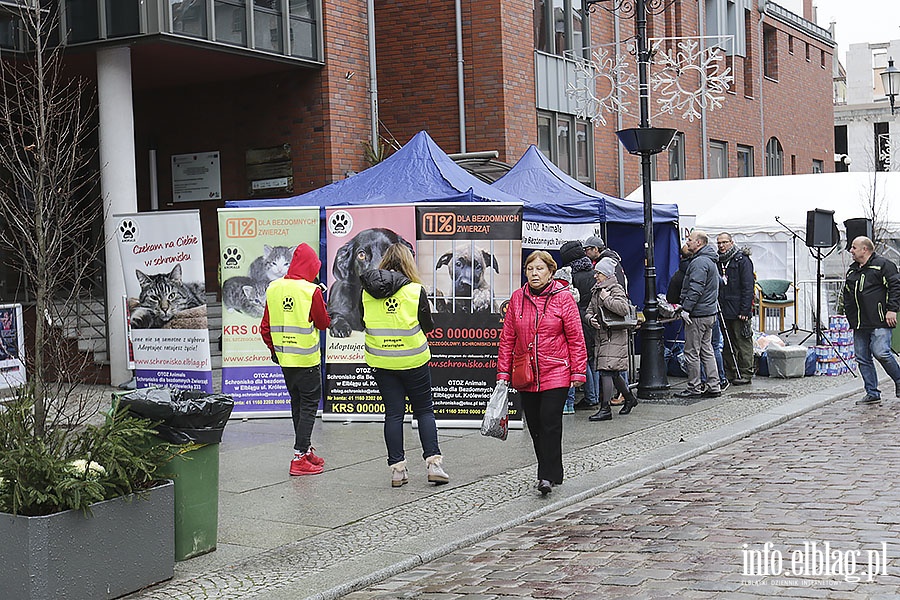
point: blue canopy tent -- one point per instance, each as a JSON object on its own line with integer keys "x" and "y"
{"x": 551, "y": 196}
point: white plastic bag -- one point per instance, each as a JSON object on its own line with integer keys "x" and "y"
{"x": 496, "y": 415}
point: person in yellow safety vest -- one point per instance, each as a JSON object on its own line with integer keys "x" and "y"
{"x": 295, "y": 312}
{"x": 397, "y": 316}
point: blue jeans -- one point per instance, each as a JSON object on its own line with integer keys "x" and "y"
{"x": 395, "y": 387}
{"x": 872, "y": 344}
{"x": 592, "y": 386}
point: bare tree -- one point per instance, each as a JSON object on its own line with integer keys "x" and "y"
{"x": 48, "y": 201}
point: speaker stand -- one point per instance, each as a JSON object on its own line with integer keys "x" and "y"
{"x": 794, "y": 328}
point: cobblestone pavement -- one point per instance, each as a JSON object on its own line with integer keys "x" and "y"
{"x": 295, "y": 567}
{"x": 709, "y": 527}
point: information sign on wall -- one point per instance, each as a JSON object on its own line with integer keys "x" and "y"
{"x": 196, "y": 176}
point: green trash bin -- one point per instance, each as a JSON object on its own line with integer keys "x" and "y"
{"x": 195, "y": 471}
{"x": 192, "y": 423}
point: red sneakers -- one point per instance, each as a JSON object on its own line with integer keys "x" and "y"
{"x": 316, "y": 460}
{"x": 302, "y": 465}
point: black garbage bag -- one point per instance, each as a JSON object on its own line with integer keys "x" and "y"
{"x": 184, "y": 416}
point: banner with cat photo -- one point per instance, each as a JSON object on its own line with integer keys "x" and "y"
{"x": 470, "y": 259}
{"x": 356, "y": 239}
{"x": 162, "y": 261}
{"x": 256, "y": 246}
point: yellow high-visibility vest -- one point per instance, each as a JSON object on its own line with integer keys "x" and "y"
{"x": 394, "y": 339}
{"x": 295, "y": 339}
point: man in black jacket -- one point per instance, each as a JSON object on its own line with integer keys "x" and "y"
{"x": 736, "y": 303}
{"x": 871, "y": 301}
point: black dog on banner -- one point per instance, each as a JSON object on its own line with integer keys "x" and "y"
{"x": 468, "y": 266}
{"x": 361, "y": 253}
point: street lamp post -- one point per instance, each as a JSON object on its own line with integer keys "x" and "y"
{"x": 890, "y": 81}
{"x": 645, "y": 141}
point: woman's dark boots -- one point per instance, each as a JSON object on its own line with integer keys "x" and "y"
{"x": 630, "y": 402}
{"x": 604, "y": 414}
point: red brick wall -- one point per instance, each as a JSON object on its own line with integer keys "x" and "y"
{"x": 417, "y": 73}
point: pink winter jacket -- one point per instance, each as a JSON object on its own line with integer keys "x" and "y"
{"x": 561, "y": 355}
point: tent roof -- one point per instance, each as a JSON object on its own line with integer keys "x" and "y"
{"x": 552, "y": 196}
{"x": 419, "y": 171}
{"x": 748, "y": 205}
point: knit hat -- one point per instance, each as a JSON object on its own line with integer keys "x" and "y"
{"x": 570, "y": 252}
{"x": 596, "y": 241}
{"x": 606, "y": 266}
{"x": 564, "y": 274}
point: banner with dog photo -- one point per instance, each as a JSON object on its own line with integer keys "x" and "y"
{"x": 469, "y": 256}
{"x": 162, "y": 260}
{"x": 356, "y": 239}
{"x": 256, "y": 246}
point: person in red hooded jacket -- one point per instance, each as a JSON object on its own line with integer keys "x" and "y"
{"x": 542, "y": 320}
{"x": 295, "y": 313}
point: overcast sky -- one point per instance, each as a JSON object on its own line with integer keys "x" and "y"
{"x": 857, "y": 20}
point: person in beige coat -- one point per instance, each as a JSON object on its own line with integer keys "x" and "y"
{"x": 610, "y": 345}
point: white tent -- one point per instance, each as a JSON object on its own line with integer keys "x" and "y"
{"x": 747, "y": 208}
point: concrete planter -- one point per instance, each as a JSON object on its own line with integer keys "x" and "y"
{"x": 126, "y": 544}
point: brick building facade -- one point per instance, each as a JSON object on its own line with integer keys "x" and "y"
{"x": 417, "y": 84}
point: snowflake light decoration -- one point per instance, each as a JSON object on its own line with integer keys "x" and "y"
{"x": 690, "y": 79}
{"x": 597, "y": 82}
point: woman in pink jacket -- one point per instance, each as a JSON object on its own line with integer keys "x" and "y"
{"x": 542, "y": 321}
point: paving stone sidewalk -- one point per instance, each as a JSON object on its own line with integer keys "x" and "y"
{"x": 707, "y": 528}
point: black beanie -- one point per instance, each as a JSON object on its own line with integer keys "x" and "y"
{"x": 570, "y": 252}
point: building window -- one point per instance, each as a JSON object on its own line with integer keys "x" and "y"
{"x": 745, "y": 161}
{"x": 563, "y": 141}
{"x": 748, "y": 60}
{"x": 303, "y": 39}
{"x": 189, "y": 17}
{"x": 818, "y": 166}
{"x": 882, "y": 147}
{"x": 231, "y": 21}
{"x": 718, "y": 159}
{"x": 582, "y": 158}
{"x": 790, "y": 44}
{"x": 822, "y": 59}
{"x": 725, "y": 18}
{"x": 560, "y": 26}
{"x": 774, "y": 157}
{"x": 122, "y": 18}
{"x": 770, "y": 52}
{"x": 568, "y": 143}
{"x": 540, "y": 26}
{"x": 82, "y": 20}
{"x": 807, "y": 51}
{"x": 267, "y": 25}
{"x": 840, "y": 149}
{"x": 676, "y": 157}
